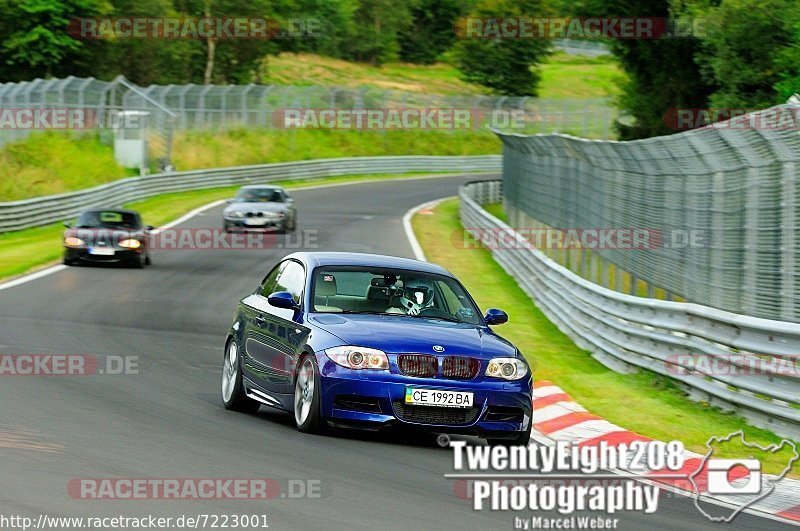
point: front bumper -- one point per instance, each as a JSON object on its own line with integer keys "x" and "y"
{"x": 121, "y": 255}
{"x": 254, "y": 223}
{"x": 375, "y": 400}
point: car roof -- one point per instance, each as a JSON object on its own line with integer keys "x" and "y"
{"x": 118, "y": 210}
{"x": 316, "y": 259}
{"x": 260, "y": 186}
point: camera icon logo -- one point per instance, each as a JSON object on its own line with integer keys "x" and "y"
{"x": 734, "y": 476}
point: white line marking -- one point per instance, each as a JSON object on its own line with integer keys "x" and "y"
{"x": 541, "y": 392}
{"x": 32, "y": 276}
{"x": 554, "y": 411}
{"x": 416, "y": 248}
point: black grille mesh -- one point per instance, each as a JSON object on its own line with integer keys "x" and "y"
{"x": 451, "y": 416}
{"x": 420, "y": 365}
{"x": 460, "y": 368}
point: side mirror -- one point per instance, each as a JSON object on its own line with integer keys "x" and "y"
{"x": 495, "y": 317}
{"x": 67, "y": 224}
{"x": 229, "y": 200}
{"x": 289, "y": 199}
{"x": 283, "y": 299}
{"x": 149, "y": 227}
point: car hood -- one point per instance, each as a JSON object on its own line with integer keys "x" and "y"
{"x": 256, "y": 207}
{"x": 102, "y": 236}
{"x": 398, "y": 334}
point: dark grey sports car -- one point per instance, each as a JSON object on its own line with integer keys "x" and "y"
{"x": 260, "y": 207}
{"x": 108, "y": 236}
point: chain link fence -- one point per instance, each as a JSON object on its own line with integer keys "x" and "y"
{"x": 717, "y": 209}
{"x": 214, "y": 107}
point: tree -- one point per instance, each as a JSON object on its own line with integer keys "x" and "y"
{"x": 788, "y": 62}
{"x": 431, "y": 30}
{"x": 662, "y": 74}
{"x": 234, "y": 60}
{"x": 746, "y": 49}
{"x": 35, "y": 41}
{"x": 372, "y": 36}
{"x": 505, "y": 65}
{"x": 143, "y": 61}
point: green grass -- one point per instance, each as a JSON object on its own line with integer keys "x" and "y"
{"x": 256, "y": 146}
{"x": 30, "y": 249}
{"x": 579, "y": 77}
{"x": 644, "y": 402}
{"x": 52, "y": 163}
{"x": 563, "y": 76}
{"x": 310, "y": 69}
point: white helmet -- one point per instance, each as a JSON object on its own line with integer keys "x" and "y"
{"x": 417, "y": 295}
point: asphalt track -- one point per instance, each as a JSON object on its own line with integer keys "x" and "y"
{"x": 167, "y": 421}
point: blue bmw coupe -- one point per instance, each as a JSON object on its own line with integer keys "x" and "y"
{"x": 375, "y": 342}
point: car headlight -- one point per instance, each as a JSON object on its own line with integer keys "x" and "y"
{"x": 72, "y": 241}
{"x": 358, "y": 357}
{"x": 130, "y": 244}
{"x": 507, "y": 368}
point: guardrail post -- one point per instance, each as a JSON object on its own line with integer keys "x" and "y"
{"x": 789, "y": 244}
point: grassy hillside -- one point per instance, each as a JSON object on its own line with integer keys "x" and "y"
{"x": 53, "y": 163}
{"x": 587, "y": 77}
{"x": 310, "y": 69}
{"x": 241, "y": 147}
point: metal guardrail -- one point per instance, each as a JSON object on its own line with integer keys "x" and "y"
{"x": 723, "y": 199}
{"x": 39, "y": 211}
{"x": 711, "y": 353}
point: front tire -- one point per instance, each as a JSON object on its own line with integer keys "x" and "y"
{"x": 233, "y": 396}
{"x": 307, "y": 390}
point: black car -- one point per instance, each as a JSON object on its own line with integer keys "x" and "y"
{"x": 108, "y": 236}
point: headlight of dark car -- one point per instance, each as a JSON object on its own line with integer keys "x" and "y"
{"x": 72, "y": 241}
{"x": 130, "y": 243}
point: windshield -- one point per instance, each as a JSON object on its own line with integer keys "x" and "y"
{"x": 260, "y": 195}
{"x": 392, "y": 292}
{"x": 108, "y": 219}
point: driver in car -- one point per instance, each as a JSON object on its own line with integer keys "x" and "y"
{"x": 415, "y": 296}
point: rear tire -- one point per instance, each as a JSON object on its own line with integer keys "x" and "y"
{"x": 233, "y": 396}
{"x": 307, "y": 390}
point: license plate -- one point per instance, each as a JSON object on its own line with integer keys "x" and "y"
{"x": 255, "y": 222}
{"x": 433, "y": 397}
{"x": 101, "y": 251}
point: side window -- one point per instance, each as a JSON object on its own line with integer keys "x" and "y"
{"x": 268, "y": 286}
{"x": 292, "y": 278}
{"x": 450, "y": 298}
